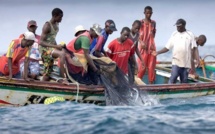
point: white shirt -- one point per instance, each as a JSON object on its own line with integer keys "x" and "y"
{"x": 182, "y": 44}
{"x": 34, "y": 53}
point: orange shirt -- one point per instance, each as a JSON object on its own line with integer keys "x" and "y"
{"x": 120, "y": 53}
{"x": 16, "y": 52}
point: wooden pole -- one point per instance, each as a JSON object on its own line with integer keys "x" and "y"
{"x": 202, "y": 63}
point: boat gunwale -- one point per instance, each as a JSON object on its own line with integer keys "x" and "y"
{"x": 96, "y": 89}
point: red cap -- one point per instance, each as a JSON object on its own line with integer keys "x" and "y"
{"x": 32, "y": 23}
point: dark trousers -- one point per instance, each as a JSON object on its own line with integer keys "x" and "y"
{"x": 88, "y": 78}
{"x": 178, "y": 71}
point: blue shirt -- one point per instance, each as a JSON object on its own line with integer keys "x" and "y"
{"x": 94, "y": 42}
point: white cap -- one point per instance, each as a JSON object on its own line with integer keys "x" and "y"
{"x": 29, "y": 36}
{"x": 79, "y": 28}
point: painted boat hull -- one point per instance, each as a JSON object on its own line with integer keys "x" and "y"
{"x": 19, "y": 92}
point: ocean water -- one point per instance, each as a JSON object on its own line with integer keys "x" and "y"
{"x": 195, "y": 115}
{"x": 192, "y": 116}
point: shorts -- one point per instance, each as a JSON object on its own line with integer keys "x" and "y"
{"x": 33, "y": 68}
{"x": 48, "y": 62}
{"x": 179, "y": 71}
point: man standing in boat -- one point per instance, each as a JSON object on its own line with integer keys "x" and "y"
{"x": 134, "y": 36}
{"x": 18, "y": 49}
{"x": 48, "y": 46}
{"x": 147, "y": 45}
{"x": 97, "y": 45}
{"x": 183, "y": 43}
{"x": 200, "y": 41}
{"x": 120, "y": 50}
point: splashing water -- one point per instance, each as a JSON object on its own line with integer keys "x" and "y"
{"x": 212, "y": 76}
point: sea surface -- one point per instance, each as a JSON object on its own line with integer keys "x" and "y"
{"x": 189, "y": 116}
{"x": 195, "y": 115}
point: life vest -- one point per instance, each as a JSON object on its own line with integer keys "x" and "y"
{"x": 71, "y": 45}
{"x": 18, "y": 54}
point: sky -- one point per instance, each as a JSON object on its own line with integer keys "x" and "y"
{"x": 199, "y": 15}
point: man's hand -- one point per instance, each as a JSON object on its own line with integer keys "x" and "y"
{"x": 154, "y": 53}
{"x": 194, "y": 76}
{"x": 136, "y": 70}
{"x": 143, "y": 45}
{"x": 28, "y": 79}
{"x": 59, "y": 47}
{"x": 10, "y": 77}
{"x": 197, "y": 63}
{"x": 143, "y": 65}
{"x": 98, "y": 72}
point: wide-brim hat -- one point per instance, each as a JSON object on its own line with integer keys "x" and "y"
{"x": 79, "y": 28}
{"x": 97, "y": 28}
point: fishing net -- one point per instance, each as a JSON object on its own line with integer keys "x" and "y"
{"x": 131, "y": 71}
{"x": 119, "y": 91}
{"x": 119, "y": 88}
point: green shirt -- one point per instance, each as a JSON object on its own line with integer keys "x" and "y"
{"x": 82, "y": 42}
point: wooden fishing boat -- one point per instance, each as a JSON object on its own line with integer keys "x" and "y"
{"x": 207, "y": 69}
{"x": 18, "y": 92}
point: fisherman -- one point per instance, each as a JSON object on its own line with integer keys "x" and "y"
{"x": 147, "y": 45}
{"x": 79, "y": 30}
{"x": 183, "y": 43}
{"x": 49, "y": 48}
{"x": 79, "y": 77}
{"x": 134, "y": 36}
{"x": 119, "y": 50}
{"x": 200, "y": 41}
{"x": 34, "y": 67}
{"x": 19, "y": 48}
{"x": 80, "y": 46}
{"x": 97, "y": 46}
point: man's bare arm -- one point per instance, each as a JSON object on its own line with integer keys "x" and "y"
{"x": 10, "y": 68}
{"x": 89, "y": 60}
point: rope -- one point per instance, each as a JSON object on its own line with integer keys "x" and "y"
{"x": 202, "y": 63}
{"x": 75, "y": 82}
{"x": 70, "y": 78}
